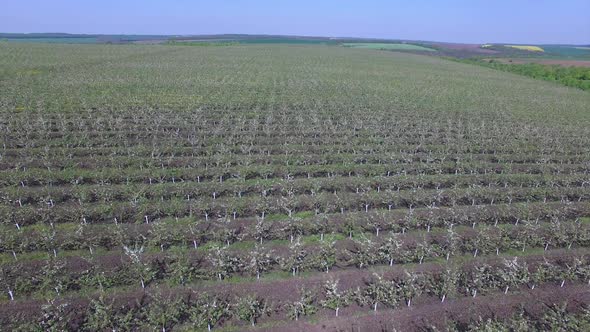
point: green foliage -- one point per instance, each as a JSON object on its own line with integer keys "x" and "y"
{"x": 259, "y": 261}
{"x": 208, "y": 311}
{"x": 250, "y": 309}
{"x": 223, "y": 263}
{"x": 334, "y": 297}
{"x": 100, "y": 315}
{"x": 381, "y": 291}
{"x": 164, "y": 310}
{"x": 55, "y": 316}
{"x": 302, "y": 307}
{"x": 578, "y": 77}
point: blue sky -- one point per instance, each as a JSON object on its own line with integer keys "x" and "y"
{"x": 477, "y": 21}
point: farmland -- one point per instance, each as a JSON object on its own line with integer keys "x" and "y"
{"x": 389, "y": 46}
{"x": 530, "y": 48}
{"x": 287, "y": 187}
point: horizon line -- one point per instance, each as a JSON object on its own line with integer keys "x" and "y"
{"x": 279, "y": 35}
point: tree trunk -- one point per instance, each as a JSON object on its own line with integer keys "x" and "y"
{"x": 443, "y": 298}
{"x": 391, "y": 262}
{"x": 11, "y": 295}
{"x": 337, "y": 311}
{"x": 142, "y": 283}
{"x": 506, "y": 289}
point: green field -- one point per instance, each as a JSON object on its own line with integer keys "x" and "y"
{"x": 287, "y": 187}
{"x": 387, "y": 46}
{"x": 57, "y": 40}
{"x": 65, "y": 78}
{"x": 567, "y": 52}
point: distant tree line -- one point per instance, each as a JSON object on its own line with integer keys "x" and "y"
{"x": 578, "y": 77}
